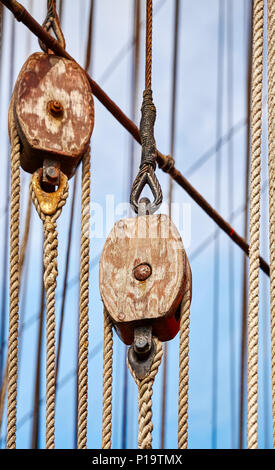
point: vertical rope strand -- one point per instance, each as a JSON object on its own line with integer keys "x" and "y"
{"x": 14, "y": 282}
{"x": 145, "y": 393}
{"x": 107, "y": 383}
{"x": 149, "y": 36}
{"x": 184, "y": 366}
{"x": 271, "y": 165}
{"x": 254, "y": 227}
{"x": 50, "y": 277}
{"x": 84, "y": 305}
{"x": 170, "y": 196}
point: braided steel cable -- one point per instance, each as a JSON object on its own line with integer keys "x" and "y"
{"x": 146, "y": 174}
{"x": 149, "y": 36}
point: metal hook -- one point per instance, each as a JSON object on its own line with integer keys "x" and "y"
{"x": 142, "y": 352}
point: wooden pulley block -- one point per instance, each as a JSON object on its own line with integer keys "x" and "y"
{"x": 54, "y": 112}
{"x": 142, "y": 276}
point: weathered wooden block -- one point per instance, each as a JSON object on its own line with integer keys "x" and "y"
{"x": 54, "y": 112}
{"x": 142, "y": 275}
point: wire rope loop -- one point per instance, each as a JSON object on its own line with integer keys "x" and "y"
{"x": 146, "y": 173}
{"x": 52, "y": 22}
{"x": 146, "y": 176}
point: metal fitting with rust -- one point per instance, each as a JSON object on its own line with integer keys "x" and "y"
{"x": 142, "y": 277}
{"x": 54, "y": 113}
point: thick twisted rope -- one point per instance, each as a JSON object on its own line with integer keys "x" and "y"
{"x": 254, "y": 252}
{"x": 145, "y": 393}
{"x": 84, "y": 305}
{"x": 184, "y": 367}
{"x": 50, "y": 276}
{"x": 14, "y": 281}
{"x": 22, "y": 253}
{"x": 271, "y": 165}
{"x": 107, "y": 383}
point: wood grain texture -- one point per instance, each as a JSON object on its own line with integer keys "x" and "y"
{"x": 150, "y": 239}
{"x": 45, "y": 78}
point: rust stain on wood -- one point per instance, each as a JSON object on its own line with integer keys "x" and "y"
{"x": 45, "y": 79}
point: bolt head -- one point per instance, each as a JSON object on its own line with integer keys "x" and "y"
{"x": 52, "y": 173}
{"x": 55, "y": 108}
{"x": 142, "y": 271}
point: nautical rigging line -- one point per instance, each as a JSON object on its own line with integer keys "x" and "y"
{"x": 176, "y": 28}
{"x": 65, "y": 279}
{"x": 197, "y": 251}
{"x": 254, "y": 223}
{"x": 6, "y": 223}
{"x": 134, "y": 91}
{"x": 72, "y": 282}
{"x": 164, "y": 162}
{"x": 26, "y": 417}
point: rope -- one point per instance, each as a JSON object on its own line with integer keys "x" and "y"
{"x": 255, "y": 177}
{"x": 107, "y": 382}
{"x": 24, "y": 243}
{"x": 22, "y": 253}
{"x": 14, "y": 282}
{"x": 149, "y": 35}
{"x": 145, "y": 393}
{"x": 184, "y": 367}
{"x": 50, "y": 276}
{"x": 271, "y": 164}
{"x": 146, "y": 174}
{"x": 84, "y": 305}
{"x": 52, "y": 22}
{"x": 164, "y": 162}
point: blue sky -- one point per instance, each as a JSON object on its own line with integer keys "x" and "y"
{"x": 195, "y": 134}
